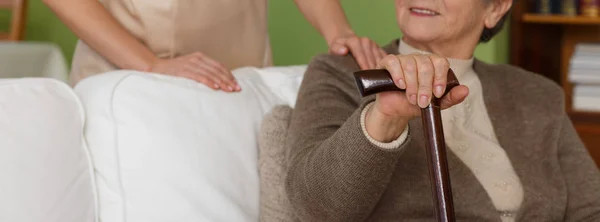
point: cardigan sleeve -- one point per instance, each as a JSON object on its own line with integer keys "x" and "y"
{"x": 335, "y": 173}
{"x": 391, "y": 145}
{"x": 581, "y": 174}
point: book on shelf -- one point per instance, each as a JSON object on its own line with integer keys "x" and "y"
{"x": 569, "y": 7}
{"x": 586, "y": 98}
{"x": 585, "y": 77}
{"x": 586, "y": 48}
{"x": 590, "y": 8}
{"x": 584, "y": 66}
{"x": 584, "y": 73}
{"x": 548, "y": 7}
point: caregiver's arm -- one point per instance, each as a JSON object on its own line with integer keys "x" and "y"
{"x": 93, "y": 24}
{"x": 328, "y": 17}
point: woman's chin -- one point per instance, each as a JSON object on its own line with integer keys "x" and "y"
{"x": 421, "y": 37}
{"x": 420, "y": 32}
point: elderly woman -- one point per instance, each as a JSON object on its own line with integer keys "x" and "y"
{"x": 513, "y": 153}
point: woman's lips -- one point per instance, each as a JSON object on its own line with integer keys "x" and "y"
{"x": 423, "y": 12}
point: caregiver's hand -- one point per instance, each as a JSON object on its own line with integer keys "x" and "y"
{"x": 423, "y": 76}
{"x": 198, "y": 67}
{"x": 366, "y": 52}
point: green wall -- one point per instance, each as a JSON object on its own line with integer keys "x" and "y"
{"x": 43, "y": 25}
{"x": 294, "y": 41}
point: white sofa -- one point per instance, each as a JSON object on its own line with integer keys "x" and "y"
{"x": 130, "y": 146}
{"x": 32, "y": 59}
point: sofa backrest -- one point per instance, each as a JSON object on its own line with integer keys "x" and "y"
{"x": 32, "y": 59}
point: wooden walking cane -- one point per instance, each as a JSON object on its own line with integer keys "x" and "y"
{"x": 379, "y": 80}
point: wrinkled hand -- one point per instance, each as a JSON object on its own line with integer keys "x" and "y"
{"x": 422, "y": 76}
{"x": 198, "y": 67}
{"x": 366, "y": 52}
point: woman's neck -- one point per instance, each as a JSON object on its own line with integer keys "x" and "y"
{"x": 454, "y": 50}
{"x": 461, "y": 67}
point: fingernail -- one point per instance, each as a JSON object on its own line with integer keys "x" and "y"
{"x": 438, "y": 91}
{"x": 424, "y": 101}
{"x": 401, "y": 84}
{"x": 413, "y": 99}
{"x": 341, "y": 50}
{"x": 230, "y": 88}
{"x": 216, "y": 86}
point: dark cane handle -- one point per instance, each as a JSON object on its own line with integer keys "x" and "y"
{"x": 375, "y": 81}
{"x": 379, "y": 80}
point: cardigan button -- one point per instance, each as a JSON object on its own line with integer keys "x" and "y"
{"x": 462, "y": 148}
{"x": 454, "y": 119}
{"x": 507, "y": 214}
{"x": 487, "y": 156}
{"x": 502, "y": 185}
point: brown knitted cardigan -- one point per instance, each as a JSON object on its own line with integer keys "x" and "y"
{"x": 336, "y": 174}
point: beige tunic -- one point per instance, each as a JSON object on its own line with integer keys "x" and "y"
{"x": 233, "y": 32}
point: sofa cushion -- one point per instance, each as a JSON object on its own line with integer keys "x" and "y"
{"x": 171, "y": 149}
{"x": 45, "y": 170}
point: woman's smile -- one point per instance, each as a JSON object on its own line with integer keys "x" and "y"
{"x": 423, "y": 12}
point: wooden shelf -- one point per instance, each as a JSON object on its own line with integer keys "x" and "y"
{"x": 585, "y": 117}
{"x": 560, "y": 19}
{"x": 4, "y": 36}
{"x": 545, "y": 44}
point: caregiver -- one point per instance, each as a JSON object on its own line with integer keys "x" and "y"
{"x": 197, "y": 39}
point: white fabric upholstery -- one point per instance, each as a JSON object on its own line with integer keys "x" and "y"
{"x": 283, "y": 81}
{"x": 170, "y": 149}
{"x": 45, "y": 173}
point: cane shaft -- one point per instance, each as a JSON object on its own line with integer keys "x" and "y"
{"x": 375, "y": 81}
{"x": 438, "y": 164}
